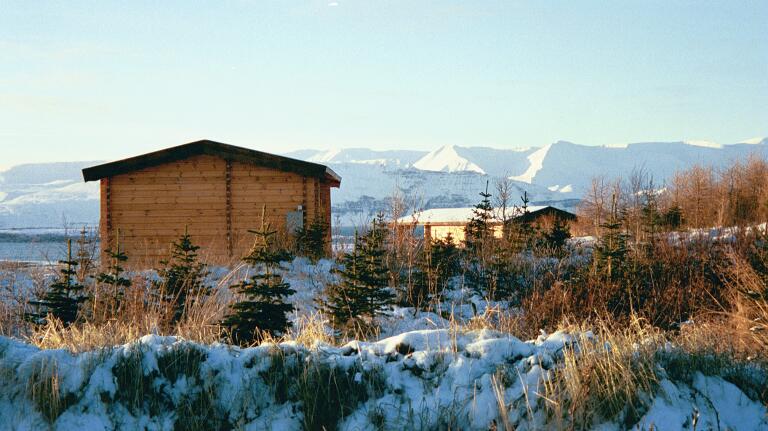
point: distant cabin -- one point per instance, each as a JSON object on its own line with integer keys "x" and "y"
{"x": 438, "y": 223}
{"x": 215, "y": 190}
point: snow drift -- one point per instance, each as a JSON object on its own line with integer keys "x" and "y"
{"x": 430, "y": 379}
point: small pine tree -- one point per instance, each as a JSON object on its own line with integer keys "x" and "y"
{"x": 311, "y": 241}
{"x": 444, "y": 257}
{"x": 182, "y": 276}
{"x": 479, "y": 229}
{"x": 611, "y": 250}
{"x": 672, "y": 219}
{"x": 519, "y": 233}
{"x": 113, "y": 278}
{"x": 64, "y": 296}
{"x": 650, "y": 216}
{"x": 85, "y": 256}
{"x": 362, "y": 294}
{"x": 525, "y": 200}
{"x": 502, "y": 279}
{"x": 262, "y": 309}
{"x": 437, "y": 264}
{"x": 479, "y": 245}
{"x": 556, "y": 237}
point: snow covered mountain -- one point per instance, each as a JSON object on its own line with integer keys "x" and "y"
{"x": 565, "y": 163}
{"x": 558, "y": 173}
{"x": 399, "y": 158}
{"x": 446, "y": 159}
{"x": 48, "y": 195}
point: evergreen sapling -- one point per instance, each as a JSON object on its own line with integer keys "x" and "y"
{"x": 64, "y": 296}
{"x": 262, "y": 309}
{"x": 311, "y": 240}
{"x": 479, "y": 245}
{"x": 182, "y": 277}
{"x": 362, "y": 294}
{"x": 113, "y": 278}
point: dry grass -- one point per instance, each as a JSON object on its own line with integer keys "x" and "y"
{"x": 612, "y": 373}
{"x": 605, "y": 375}
{"x": 107, "y": 322}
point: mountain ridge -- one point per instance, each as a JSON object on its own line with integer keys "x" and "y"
{"x": 50, "y": 194}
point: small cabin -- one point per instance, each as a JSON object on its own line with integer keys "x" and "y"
{"x": 438, "y": 223}
{"x": 215, "y": 191}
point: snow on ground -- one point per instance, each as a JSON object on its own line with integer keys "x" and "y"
{"x": 423, "y": 373}
{"x": 426, "y": 379}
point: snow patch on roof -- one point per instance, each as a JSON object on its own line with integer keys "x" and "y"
{"x": 446, "y": 159}
{"x": 450, "y": 215}
{"x": 536, "y": 160}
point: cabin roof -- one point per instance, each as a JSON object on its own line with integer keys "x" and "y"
{"x": 211, "y": 148}
{"x": 460, "y": 216}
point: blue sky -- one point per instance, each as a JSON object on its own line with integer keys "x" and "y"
{"x": 104, "y": 80}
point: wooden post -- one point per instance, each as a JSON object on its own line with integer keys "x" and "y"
{"x": 317, "y": 198}
{"x": 304, "y": 201}
{"x": 105, "y": 222}
{"x": 228, "y": 209}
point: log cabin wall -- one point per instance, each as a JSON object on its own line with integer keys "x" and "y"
{"x": 216, "y": 199}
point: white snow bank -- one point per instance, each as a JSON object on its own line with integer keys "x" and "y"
{"x": 427, "y": 379}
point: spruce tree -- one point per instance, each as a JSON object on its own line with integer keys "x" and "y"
{"x": 673, "y": 218}
{"x": 262, "y": 309}
{"x": 444, "y": 259}
{"x": 502, "y": 280}
{"x": 311, "y": 240}
{"x": 479, "y": 245}
{"x": 556, "y": 237}
{"x": 64, "y": 296}
{"x": 182, "y": 276}
{"x": 611, "y": 250}
{"x": 438, "y": 262}
{"x": 85, "y": 256}
{"x": 362, "y": 293}
{"x": 479, "y": 229}
{"x": 649, "y": 215}
{"x": 113, "y": 278}
{"x": 519, "y": 234}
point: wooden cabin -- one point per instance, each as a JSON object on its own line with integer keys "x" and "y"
{"x": 438, "y": 223}
{"x": 216, "y": 191}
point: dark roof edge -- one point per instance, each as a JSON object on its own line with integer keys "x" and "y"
{"x": 212, "y": 148}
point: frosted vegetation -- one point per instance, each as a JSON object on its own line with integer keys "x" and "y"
{"x": 429, "y": 379}
{"x": 651, "y": 318}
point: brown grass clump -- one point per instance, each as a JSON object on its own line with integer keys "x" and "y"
{"x": 605, "y": 375}
{"x": 612, "y": 372}
{"x": 748, "y": 315}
